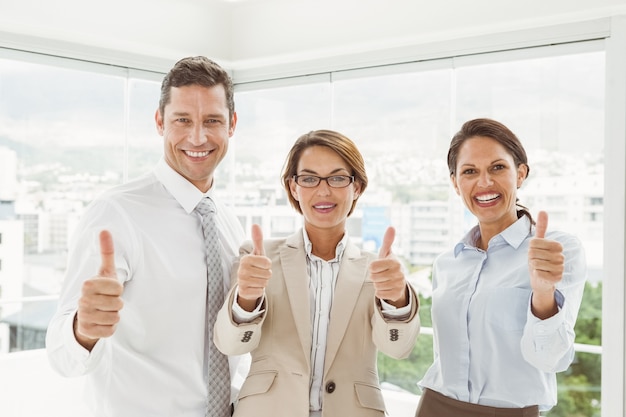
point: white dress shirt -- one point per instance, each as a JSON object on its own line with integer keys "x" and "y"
{"x": 489, "y": 347}
{"x": 154, "y": 363}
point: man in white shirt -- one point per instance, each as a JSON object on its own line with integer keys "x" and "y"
{"x": 132, "y": 310}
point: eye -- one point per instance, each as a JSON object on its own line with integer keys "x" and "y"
{"x": 308, "y": 179}
{"x": 468, "y": 171}
{"x": 339, "y": 179}
{"x": 498, "y": 167}
{"x": 182, "y": 120}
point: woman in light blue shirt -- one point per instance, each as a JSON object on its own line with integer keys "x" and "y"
{"x": 506, "y": 297}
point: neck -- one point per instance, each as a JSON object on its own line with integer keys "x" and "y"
{"x": 489, "y": 230}
{"x": 324, "y": 242}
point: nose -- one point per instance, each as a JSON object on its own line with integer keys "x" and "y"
{"x": 484, "y": 180}
{"x": 323, "y": 188}
{"x": 197, "y": 135}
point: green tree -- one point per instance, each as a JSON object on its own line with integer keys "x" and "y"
{"x": 579, "y": 385}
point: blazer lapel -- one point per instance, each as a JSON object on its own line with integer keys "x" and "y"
{"x": 293, "y": 261}
{"x": 352, "y": 275}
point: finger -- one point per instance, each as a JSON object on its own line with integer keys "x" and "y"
{"x": 107, "y": 255}
{"x": 385, "y": 249}
{"x": 542, "y": 225}
{"x": 257, "y": 240}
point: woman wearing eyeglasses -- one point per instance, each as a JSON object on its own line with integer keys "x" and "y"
{"x": 312, "y": 308}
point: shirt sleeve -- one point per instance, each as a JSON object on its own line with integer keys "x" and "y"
{"x": 549, "y": 344}
{"x": 242, "y": 316}
{"x": 65, "y": 354}
{"x": 397, "y": 313}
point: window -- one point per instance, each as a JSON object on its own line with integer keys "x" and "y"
{"x": 403, "y": 117}
{"x": 98, "y": 129}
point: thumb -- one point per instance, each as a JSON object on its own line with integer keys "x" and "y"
{"x": 107, "y": 255}
{"x": 542, "y": 224}
{"x": 385, "y": 249}
{"x": 257, "y": 240}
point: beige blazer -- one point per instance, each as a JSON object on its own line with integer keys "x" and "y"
{"x": 280, "y": 340}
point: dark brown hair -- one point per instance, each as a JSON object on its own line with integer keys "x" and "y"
{"x": 501, "y": 134}
{"x": 197, "y": 70}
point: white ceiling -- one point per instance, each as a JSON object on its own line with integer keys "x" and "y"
{"x": 244, "y": 34}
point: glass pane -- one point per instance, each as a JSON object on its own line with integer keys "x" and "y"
{"x": 63, "y": 140}
{"x": 145, "y": 146}
{"x": 269, "y": 122}
{"x": 61, "y": 132}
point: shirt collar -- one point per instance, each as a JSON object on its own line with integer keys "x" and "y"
{"x": 338, "y": 251}
{"x": 513, "y": 235}
{"x": 187, "y": 195}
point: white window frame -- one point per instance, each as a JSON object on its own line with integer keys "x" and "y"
{"x": 612, "y": 30}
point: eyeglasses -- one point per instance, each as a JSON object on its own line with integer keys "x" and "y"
{"x": 334, "y": 181}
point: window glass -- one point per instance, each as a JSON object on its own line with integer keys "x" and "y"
{"x": 67, "y": 133}
{"x": 403, "y": 122}
{"x": 269, "y": 122}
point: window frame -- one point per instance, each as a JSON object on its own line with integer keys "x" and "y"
{"x": 611, "y": 31}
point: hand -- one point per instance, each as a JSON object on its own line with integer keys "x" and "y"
{"x": 100, "y": 300}
{"x": 546, "y": 264}
{"x": 254, "y": 272}
{"x": 386, "y": 274}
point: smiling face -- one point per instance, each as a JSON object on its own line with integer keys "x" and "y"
{"x": 196, "y": 129}
{"x": 324, "y": 207}
{"x": 487, "y": 180}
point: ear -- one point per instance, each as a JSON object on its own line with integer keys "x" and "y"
{"x": 233, "y": 124}
{"x": 357, "y": 190}
{"x": 159, "y": 122}
{"x": 293, "y": 189}
{"x": 522, "y": 173}
{"x": 454, "y": 184}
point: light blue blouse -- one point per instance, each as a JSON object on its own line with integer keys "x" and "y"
{"x": 489, "y": 348}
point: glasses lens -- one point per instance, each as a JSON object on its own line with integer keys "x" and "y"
{"x": 307, "y": 180}
{"x": 339, "y": 181}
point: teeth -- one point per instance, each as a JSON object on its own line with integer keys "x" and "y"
{"x": 324, "y": 206}
{"x": 197, "y": 154}
{"x": 487, "y": 197}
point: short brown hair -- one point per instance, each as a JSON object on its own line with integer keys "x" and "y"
{"x": 337, "y": 142}
{"x": 197, "y": 70}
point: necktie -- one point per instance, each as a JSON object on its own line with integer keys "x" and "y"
{"x": 218, "y": 373}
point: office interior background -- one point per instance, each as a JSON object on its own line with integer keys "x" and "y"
{"x": 79, "y": 84}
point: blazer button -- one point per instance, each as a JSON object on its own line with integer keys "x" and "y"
{"x": 393, "y": 335}
{"x": 330, "y": 387}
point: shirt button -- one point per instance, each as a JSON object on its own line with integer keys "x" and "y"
{"x": 330, "y": 387}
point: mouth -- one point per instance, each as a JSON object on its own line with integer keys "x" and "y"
{"x": 197, "y": 154}
{"x": 487, "y": 198}
{"x": 323, "y": 207}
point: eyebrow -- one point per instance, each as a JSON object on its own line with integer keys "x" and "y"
{"x": 491, "y": 163}
{"x": 206, "y": 116}
{"x": 333, "y": 172}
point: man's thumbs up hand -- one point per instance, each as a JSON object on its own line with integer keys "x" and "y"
{"x": 100, "y": 300}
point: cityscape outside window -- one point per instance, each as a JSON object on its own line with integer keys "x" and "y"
{"x": 70, "y": 130}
